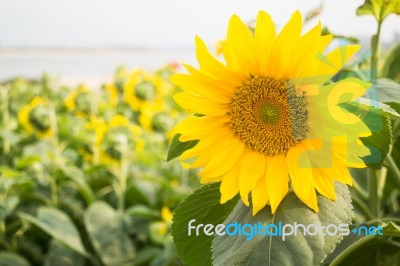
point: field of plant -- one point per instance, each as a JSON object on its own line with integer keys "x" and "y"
{"x": 84, "y": 177}
{"x": 278, "y": 127}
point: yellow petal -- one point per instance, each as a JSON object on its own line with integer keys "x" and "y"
{"x": 300, "y": 171}
{"x": 259, "y": 196}
{"x": 312, "y": 200}
{"x": 230, "y": 182}
{"x": 252, "y": 170}
{"x": 277, "y": 177}
{"x": 200, "y": 105}
{"x": 324, "y": 184}
{"x": 307, "y": 70}
{"x": 205, "y": 142}
{"x": 264, "y": 39}
{"x": 211, "y": 65}
{"x": 239, "y": 47}
{"x": 199, "y": 126}
{"x": 226, "y": 153}
{"x": 208, "y": 88}
{"x": 331, "y": 63}
{"x": 299, "y": 55}
{"x": 284, "y": 45}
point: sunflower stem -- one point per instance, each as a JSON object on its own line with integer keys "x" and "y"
{"x": 363, "y": 207}
{"x": 6, "y": 119}
{"x": 123, "y": 174}
{"x": 394, "y": 169}
{"x": 375, "y": 49}
{"x": 373, "y": 192}
{"x": 361, "y": 191}
{"x": 54, "y": 140}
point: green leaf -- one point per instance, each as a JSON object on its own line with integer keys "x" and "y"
{"x": 61, "y": 255}
{"x": 12, "y": 259}
{"x": 297, "y": 249}
{"x": 77, "y": 175}
{"x": 389, "y": 93}
{"x": 142, "y": 211}
{"x": 380, "y": 9}
{"x": 58, "y": 225}
{"x": 391, "y": 229}
{"x": 106, "y": 229}
{"x": 376, "y": 116}
{"x": 204, "y": 206}
{"x": 8, "y": 206}
{"x": 360, "y": 251}
{"x": 391, "y": 67}
{"x": 177, "y": 148}
{"x": 368, "y": 105}
{"x": 147, "y": 254}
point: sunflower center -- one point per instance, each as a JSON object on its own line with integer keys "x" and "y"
{"x": 269, "y": 115}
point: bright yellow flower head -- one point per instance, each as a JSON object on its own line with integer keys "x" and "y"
{"x": 34, "y": 117}
{"x": 265, "y": 119}
{"x": 78, "y": 101}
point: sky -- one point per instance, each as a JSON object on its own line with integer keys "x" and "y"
{"x": 170, "y": 24}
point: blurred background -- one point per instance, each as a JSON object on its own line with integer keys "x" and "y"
{"x": 86, "y": 118}
{"x": 86, "y": 40}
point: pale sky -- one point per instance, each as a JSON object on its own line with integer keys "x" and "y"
{"x": 160, "y": 23}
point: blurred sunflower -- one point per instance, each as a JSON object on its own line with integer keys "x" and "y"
{"x": 157, "y": 117}
{"x": 34, "y": 117}
{"x": 79, "y": 101}
{"x": 142, "y": 88}
{"x": 120, "y": 131}
{"x": 265, "y": 120}
{"x": 109, "y": 137}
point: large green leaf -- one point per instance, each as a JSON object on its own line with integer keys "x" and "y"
{"x": 106, "y": 229}
{"x": 204, "y": 206}
{"x": 58, "y": 225}
{"x": 389, "y": 93}
{"x": 391, "y": 67}
{"x": 376, "y": 116}
{"x": 61, "y": 255}
{"x": 8, "y": 206}
{"x": 297, "y": 249}
{"x": 177, "y": 147}
{"x": 380, "y": 9}
{"x": 11, "y": 259}
{"x": 363, "y": 250}
{"x": 365, "y": 105}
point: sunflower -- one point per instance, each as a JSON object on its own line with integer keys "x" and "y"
{"x": 34, "y": 117}
{"x": 78, "y": 101}
{"x": 267, "y": 119}
{"x": 109, "y": 137}
{"x": 140, "y": 88}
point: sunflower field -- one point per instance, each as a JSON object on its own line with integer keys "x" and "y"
{"x": 84, "y": 178}
{"x": 282, "y": 147}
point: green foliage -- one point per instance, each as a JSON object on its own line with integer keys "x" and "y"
{"x": 380, "y": 9}
{"x": 61, "y": 255}
{"x": 203, "y": 205}
{"x": 362, "y": 250}
{"x": 89, "y": 187}
{"x": 58, "y": 225}
{"x": 177, "y": 147}
{"x": 8, "y": 259}
{"x": 107, "y": 230}
{"x": 391, "y": 67}
{"x": 294, "y": 250}
{"x": 389, "y": 93}
{"x": 376, "y": 116}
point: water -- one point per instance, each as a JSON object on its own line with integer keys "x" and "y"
{"x": 93, "y": 67}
